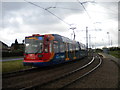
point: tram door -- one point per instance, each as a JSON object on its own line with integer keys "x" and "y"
{"x": 66, "y": 51}
{"x": 70, "y": 51}
{"x": 46, "y": 49}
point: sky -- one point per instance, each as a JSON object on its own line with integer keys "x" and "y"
{"x": 21, "y": 19}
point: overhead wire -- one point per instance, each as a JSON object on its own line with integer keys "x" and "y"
{"x": 48, "y": 11}
{"x": 67, "y": 8}
{"x": 88, "y": 14}
{"x": 84, "y": 8}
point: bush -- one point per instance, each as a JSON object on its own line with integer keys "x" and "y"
{"x": 11, "y": 54}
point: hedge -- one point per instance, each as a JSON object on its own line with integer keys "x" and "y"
{"x": 11, "y": 54}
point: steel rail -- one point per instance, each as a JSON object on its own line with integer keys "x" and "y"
{"x": 58, "y": 78}
{"x": 15, "y": 73}
{"x": 83, "y": 75}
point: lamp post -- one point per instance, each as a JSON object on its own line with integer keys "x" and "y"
{"x": 73, "y": 31}
{"x": 87, "y": 38}
{"x": 108, "y": 39}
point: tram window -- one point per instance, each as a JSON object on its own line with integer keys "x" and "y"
{"x": 74, "y": 47}
{"x": 50, "y": 47}
{"x": 62, "y": 47}
{"x": 46, "y": 49}
{"x": 70, "y": 47}
{"x": 55, "y": 47}
{"x": 66, "y": 47}
{"x": 77, "y": 47}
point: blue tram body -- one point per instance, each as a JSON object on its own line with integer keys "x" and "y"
{"x": 51, "y": 49}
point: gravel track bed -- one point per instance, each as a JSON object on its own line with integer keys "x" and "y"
{"x": 42, "y": 75}
{"x": 106, "y": 76}
{"x": 60, "y": 83}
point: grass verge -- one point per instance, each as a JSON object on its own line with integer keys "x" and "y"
{"x": 10, "y": 66}
{"x": 115, "y": 53}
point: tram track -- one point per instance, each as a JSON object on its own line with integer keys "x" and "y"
{"x": 84, "y": 75}
{"x": 60, "y": 82}
{"x": 25, "y": 71}
{"x": 45, "y": 75}
{"x": 41, "y": 75}
{"x": 17, "y": 73}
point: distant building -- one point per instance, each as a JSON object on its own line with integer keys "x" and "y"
{"x": 105, "y": 50}
{"x": 3, "y": 47}
{"x": 16, "y": 49}
{"x": 19, "y": 46}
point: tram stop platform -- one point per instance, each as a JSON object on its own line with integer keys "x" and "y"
{"x": 114, "y": 59}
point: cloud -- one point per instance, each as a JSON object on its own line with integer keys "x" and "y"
{"x": 35, "y": 15}
{"x": 22, "y": 19}
{"x": 13, "y": 6}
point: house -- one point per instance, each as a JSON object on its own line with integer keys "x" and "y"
{"x": 105, "y": 50}
{"x": 19, "y": 47}
{"x": 3, "y": 47}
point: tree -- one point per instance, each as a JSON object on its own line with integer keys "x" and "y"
{"x": 16, "y": 42}
{"x": 23, "y": 41}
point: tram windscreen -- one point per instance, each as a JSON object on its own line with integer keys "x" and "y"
{"x": 33, "y": 45}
